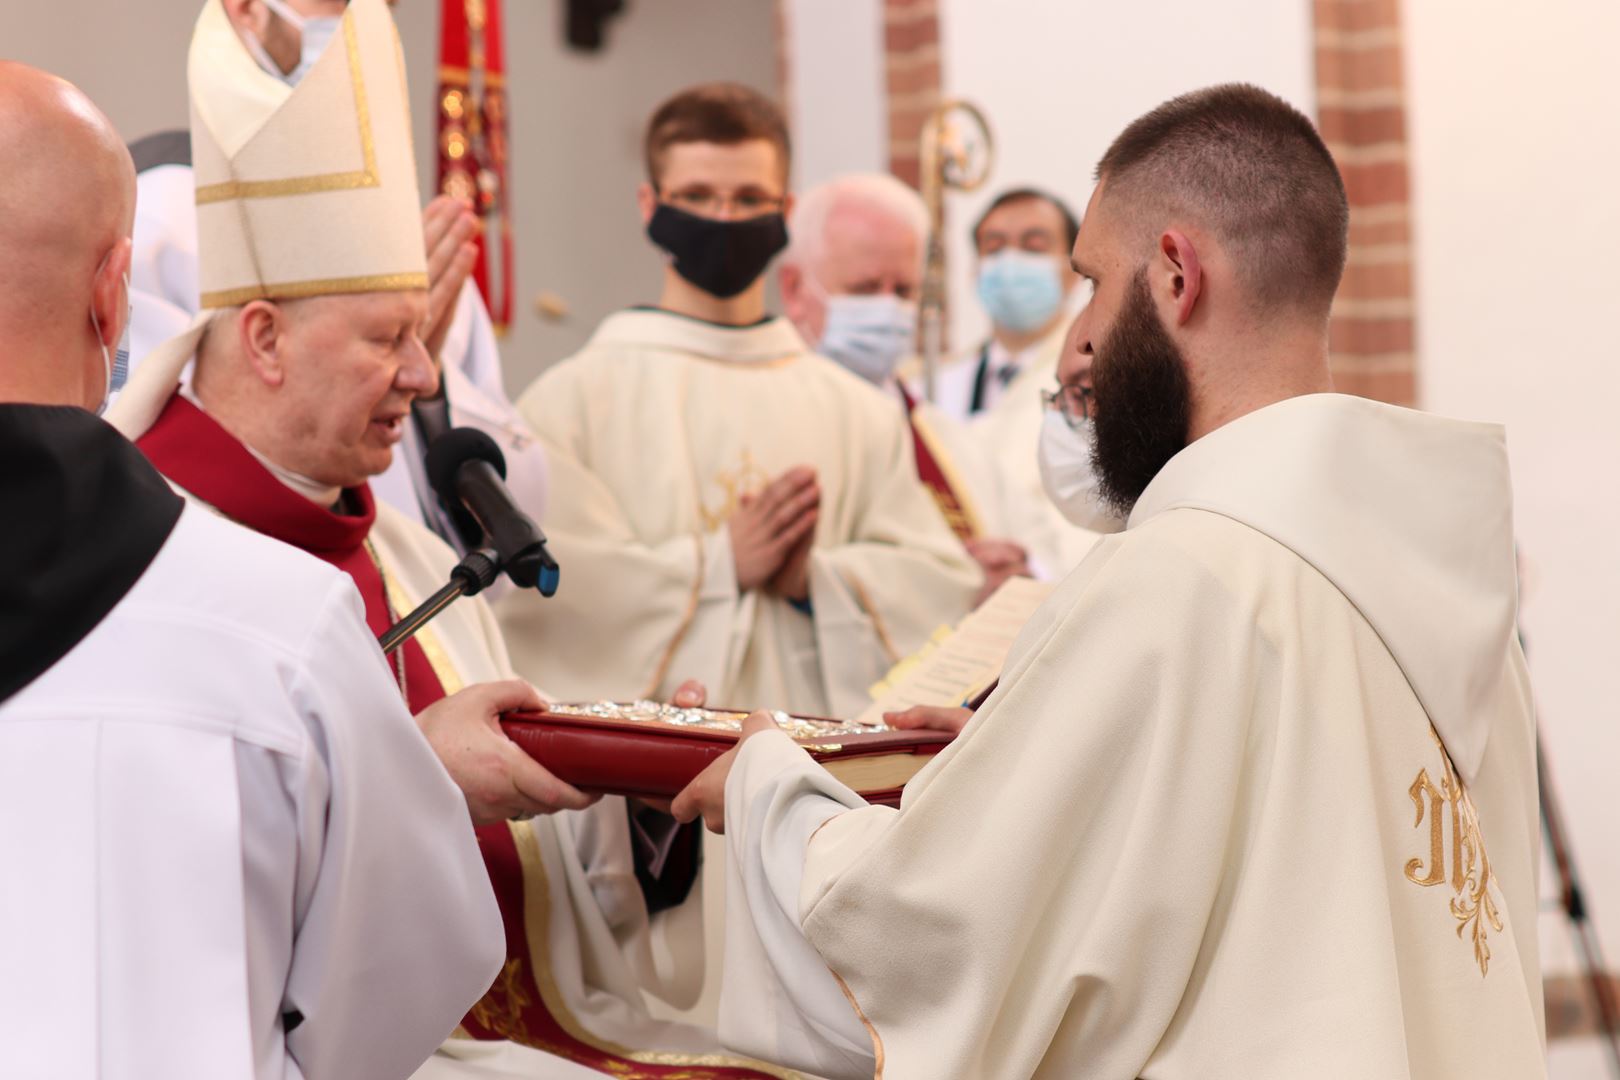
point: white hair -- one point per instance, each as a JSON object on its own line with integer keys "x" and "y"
{"x": 807, "y": 229}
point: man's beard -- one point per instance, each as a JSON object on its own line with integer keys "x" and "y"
{"x": 1143, "y": 401}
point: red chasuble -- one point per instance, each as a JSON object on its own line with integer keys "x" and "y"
{"x": 190, "y": 448}
{"x": 932, "y": 474}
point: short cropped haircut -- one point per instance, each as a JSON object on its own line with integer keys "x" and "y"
{"x": 1251, "y": 168}
{"x": 1071, "y": 224}
{"x": 718, "y": 112}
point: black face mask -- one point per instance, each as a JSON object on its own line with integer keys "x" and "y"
{"x": 720, "y": 257}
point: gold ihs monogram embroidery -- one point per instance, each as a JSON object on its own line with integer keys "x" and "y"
{"x": 500, "y": 1010}
{"x": 746, "y": 479}
{"x": 1469, "y": 869}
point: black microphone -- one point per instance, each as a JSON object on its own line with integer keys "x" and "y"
{"x": 467, "y": 469}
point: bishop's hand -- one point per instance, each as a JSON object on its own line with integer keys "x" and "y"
{"x": 450, "y": 231}
{"x": 705, "y": 796}
{"x": 767, "y": 526}
{"x": 499, "y": 780}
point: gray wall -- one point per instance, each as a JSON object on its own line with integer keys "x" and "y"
{"x": 576, "y": 122}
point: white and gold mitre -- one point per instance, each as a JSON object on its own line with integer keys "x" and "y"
{"x": 307, "y": 190}
{"x": 301, "y": 191}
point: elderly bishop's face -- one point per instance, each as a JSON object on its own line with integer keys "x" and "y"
{"x": 353, "y": 365}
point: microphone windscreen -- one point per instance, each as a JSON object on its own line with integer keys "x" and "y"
{"x": 454, "y": 449}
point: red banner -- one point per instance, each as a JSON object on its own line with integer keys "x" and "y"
{"x": 472, "y": 144}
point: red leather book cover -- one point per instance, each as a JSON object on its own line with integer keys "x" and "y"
{"x": 636, "y": 749}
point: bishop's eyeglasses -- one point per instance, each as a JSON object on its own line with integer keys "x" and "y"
{"x": 1072, "y": 401}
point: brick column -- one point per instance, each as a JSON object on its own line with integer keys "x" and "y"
{"x": 911, "y": 70}
{"x": 1361, "y": 105}
{"x": 784, "y": 59}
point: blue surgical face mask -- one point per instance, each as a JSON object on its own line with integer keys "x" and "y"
{"x": 115, "y": 364}
{"x": 315, "y": 33}
{"x": 1021, "y": 290}
{"x": 869, "y": 335}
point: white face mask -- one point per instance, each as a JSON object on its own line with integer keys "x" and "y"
{"x": 869, "y": 335}
{"x": 116, "y": 366}
{"x": 1067, "y": 473}
{"x": 315, "y": 33}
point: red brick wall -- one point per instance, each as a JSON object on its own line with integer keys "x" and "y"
{"x": 911, "y": 71}
{"x": 784, "y": 60}
{"x": 1361, "y": 112}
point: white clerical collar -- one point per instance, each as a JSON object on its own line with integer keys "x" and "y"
{"x": 775, "y": 340}
{"x": 1410, "y": 516}
{"x": 324, "y": 495}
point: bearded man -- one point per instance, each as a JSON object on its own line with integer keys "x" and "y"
{"x": 1228, "y": 812}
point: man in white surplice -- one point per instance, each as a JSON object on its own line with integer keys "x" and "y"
{"x": 1256, "y": 795}
{"x": 229, "y": 851}
{"x": 729, "y": 505}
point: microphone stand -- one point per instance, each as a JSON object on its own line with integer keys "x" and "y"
{"x": 472, "y": 575}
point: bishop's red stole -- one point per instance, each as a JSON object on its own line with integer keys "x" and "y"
{"x": 190, "y": 448}
{"x": 931, "y": 470}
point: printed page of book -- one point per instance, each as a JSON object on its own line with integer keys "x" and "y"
{"x": 957, "y": 664}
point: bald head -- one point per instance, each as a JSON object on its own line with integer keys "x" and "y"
{"x": 67, "y": 206}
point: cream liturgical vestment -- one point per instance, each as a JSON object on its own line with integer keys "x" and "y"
{"x": 1255, "y": 800}
{"x": 654, "y": 432}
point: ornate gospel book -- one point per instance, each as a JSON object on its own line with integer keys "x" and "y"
{"x": 653, "y": 750}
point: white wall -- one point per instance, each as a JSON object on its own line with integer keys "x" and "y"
{"x": 576, "y": 136}
{"x": 1516, "y": 152}
{"x": 1058, "y": 79}
{"x": 836, "y": 88}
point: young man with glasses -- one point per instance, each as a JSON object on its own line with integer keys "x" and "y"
{"x": 727, "y": 504}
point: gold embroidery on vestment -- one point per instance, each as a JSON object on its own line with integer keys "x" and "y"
{"x": 1470, "y": 869}
{"x": 746, "y": 479}
{"x": 501, "y": 1008}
